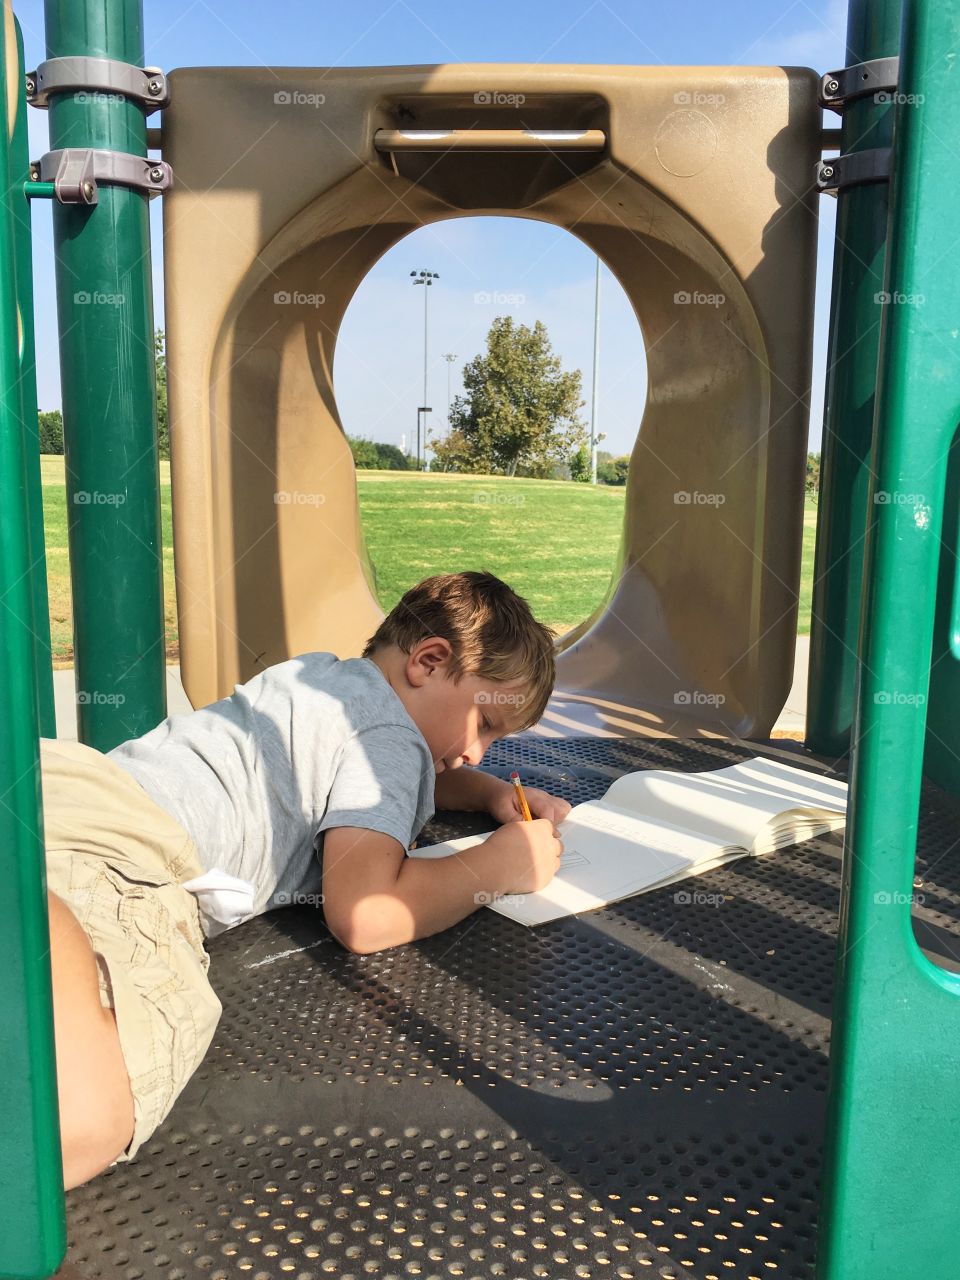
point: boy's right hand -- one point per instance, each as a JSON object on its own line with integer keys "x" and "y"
{"x": 526, "y": 855}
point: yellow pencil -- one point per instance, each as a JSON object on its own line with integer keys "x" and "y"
{"x": 525, "y": 808}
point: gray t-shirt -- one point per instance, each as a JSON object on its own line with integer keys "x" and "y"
{"x": 256, "y": 778}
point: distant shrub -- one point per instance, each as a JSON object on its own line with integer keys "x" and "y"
{"x": 614, "y": 470}
{"x": 364, "y": 453}
{"x": 580, "y": 465}
{"x": 392, "y": 458}
{"x": 50, "y": 427}
{"x": 813, "y": 475}
{"x": 370, "y": 455}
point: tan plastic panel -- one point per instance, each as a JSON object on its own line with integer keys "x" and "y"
{"x": 704, "y": 191}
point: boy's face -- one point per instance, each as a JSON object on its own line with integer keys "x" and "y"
{"x": 459, "y": 720}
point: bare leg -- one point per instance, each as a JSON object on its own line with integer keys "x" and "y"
{"x": 96, "y": 1105}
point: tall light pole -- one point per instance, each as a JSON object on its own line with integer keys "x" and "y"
{"x": 596, "y": 371}
{"x": 449, "y": 356}
{"x": 425, "y": 278}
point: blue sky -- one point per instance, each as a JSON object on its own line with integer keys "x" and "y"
{"x": 548, "y": 271}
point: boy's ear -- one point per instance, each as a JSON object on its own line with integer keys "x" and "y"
{"x": 430, "y": 655}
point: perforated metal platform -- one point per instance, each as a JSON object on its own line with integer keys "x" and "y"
{"x": 637, "y": 1092}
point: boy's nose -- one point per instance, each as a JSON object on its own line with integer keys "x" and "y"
{"x": 474, "y": 754}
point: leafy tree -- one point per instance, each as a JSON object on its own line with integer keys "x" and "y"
{"x": 365, "y": 455}
{"x": 371, "y": 455}
{"x": 604, "y": 466}
{"x": 611, "y": 470}
{"x": 392, "y": 458}
{"x": 50, "y": 427}
{"x": 454, "y": 453}
{"x": 813, "y": 474}
{"x": 519, "y": 416}
{"x": 163, "y": 427}
{"x": 580, "y": 465}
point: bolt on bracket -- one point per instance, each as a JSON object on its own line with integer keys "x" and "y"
{"x": 146, "y": 86}
{"x": 837, "y": 88}
{"x": 75, "y": 173}
{"x": 853, "y": 170}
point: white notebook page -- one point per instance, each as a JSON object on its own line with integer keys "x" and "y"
{"x": 662, "y": 827}
{"x": 730, "y": 805}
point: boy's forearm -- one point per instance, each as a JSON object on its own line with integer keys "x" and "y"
{"x": 466, "y": 788}
{"x": 431, "y": 894}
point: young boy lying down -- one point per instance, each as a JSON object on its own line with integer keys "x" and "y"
{"x": 317, "y": 772}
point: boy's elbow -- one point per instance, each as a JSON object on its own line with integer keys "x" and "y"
{"x": 348, "y": 933}
{"x": 361, "y": 931}
{"x": 354, "y": 945}
{"x": 358, "y": 943}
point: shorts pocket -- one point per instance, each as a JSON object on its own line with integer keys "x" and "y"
{"x": 160, "y": 919}
{"x": 138, "y": 913}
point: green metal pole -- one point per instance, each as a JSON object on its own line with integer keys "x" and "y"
{"x": 891, "y": 1190}
{"x": 19, "y": 170}
{"x": 108, "y": 379}
{"x": 32, "y": 1220}
{"x": 873, "y": 31}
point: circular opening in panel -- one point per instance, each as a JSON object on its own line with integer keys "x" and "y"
{"x": 464, "y": 373}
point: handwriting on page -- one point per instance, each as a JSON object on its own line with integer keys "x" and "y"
{"x": 572, "y": 858}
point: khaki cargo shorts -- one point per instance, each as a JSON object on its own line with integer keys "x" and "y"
{"x": 117, "y": 859}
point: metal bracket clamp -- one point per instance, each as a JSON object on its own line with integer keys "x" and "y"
{"x": 879, "y": 75}
{"x": 146, "y": 86}
{"x": 853, "y": 170}
{"x": 75, "y": 173}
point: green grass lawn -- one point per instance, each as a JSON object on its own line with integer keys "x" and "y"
{"x": 554, "y": 542}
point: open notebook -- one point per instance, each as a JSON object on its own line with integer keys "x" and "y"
{"x": 655, "y": 827}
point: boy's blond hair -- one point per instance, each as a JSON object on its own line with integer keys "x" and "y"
{"x": 490, "y": 629}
